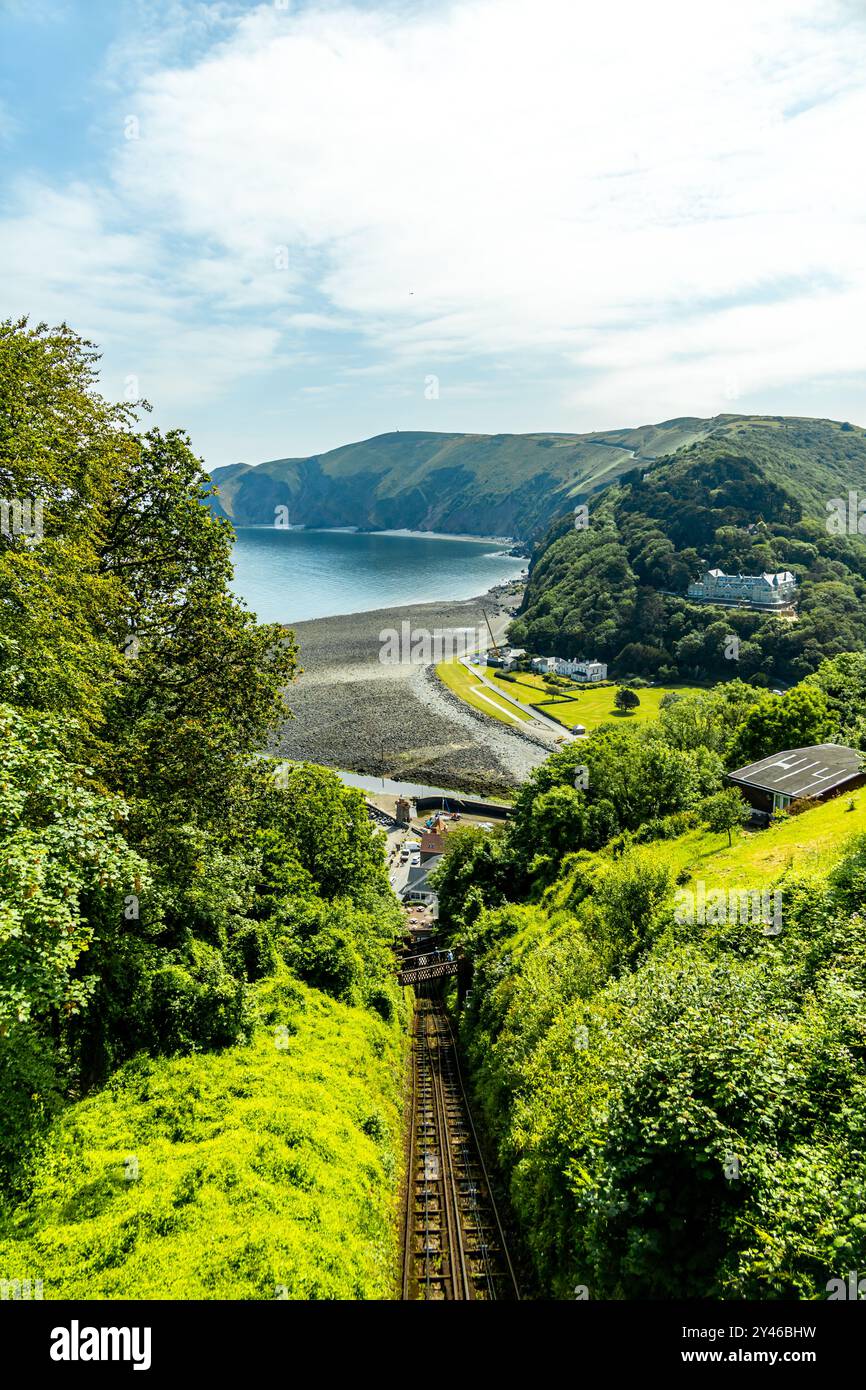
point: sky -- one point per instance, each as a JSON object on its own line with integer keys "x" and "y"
{"x": 293, "y": 225}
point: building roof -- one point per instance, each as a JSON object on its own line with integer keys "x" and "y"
{"x": 774, "y": 578}
{"x": 418, "y": 874}
{"x": 432, "y": 842}
{"x": 802, "y": 771}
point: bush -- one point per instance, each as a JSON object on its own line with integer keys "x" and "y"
{"x": 30, "y": 1096}
{"x": 195, "y": 1003}
{"x": 268, "y": 1166}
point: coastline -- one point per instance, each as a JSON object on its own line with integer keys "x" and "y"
{"x": 352, "y": 712}
{"x": 386, "y": 531}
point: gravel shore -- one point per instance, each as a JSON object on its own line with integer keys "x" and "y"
{"x": 355, "y": 712}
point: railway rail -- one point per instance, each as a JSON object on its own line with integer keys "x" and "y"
{"x": 454, "y": 1244}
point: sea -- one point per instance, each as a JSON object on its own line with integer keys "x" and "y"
{"x": 290, "y": 575}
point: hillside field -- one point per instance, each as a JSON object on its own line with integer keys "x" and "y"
{"x": 816, "y": 840}
{"x": 586, "y": 705}
{"x": 468, "y": 687}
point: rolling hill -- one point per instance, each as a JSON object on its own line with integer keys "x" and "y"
{"x": 750, "y": 495}
{"x": 466, "y": 484}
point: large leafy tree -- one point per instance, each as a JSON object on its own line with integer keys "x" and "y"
{"x": 61, "y": 450}
{"x": 65, "y": 870}
{"x": 116, "y": 612}
{"x": 795, "y": 720}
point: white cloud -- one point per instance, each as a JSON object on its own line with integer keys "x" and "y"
{"x": 653, "y": 200}
{"x": 66, "y": 260}
{"x": 508, "y": 176}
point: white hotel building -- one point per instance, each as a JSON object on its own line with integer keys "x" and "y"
{"x": 754, "y": 590}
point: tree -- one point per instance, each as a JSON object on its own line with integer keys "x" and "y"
{"x": 626, "y": 700}
{"x": 64, "y": 869}
{"x": 776, "y": 722}
{"x": 725, "y": 811}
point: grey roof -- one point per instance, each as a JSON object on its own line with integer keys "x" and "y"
{"x": 802, "y": 771}
{"x": 418, "y": 873}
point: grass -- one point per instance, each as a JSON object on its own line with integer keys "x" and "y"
{"x": 814, "y": 841}
{"x": 587, "y": 706}
{"x": 268, "y": 1170}
{"x": 465, "y": 684}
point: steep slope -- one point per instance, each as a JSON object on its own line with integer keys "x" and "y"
{"x": 751, "y": 495}
{"x": 504, "y": 484}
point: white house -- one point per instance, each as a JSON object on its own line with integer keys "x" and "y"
{"x": 755, "y": 590}
{"x": 508, "y": 657}
{"x": 577, "y": 670}
{"x": 583, "y": 670}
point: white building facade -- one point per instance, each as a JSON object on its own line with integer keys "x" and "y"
{"x": 588, "y": 671}
{"x": 777, "y": 590}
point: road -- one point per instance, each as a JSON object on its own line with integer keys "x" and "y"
{"x": 538, "y": 719}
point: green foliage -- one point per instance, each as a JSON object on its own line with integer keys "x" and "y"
{"x": 725, "y": 811}
{"x": 154, "y": 883}
{"x": 842, "y": 680}
{"x": 64, "y": 868}
{"x": 626, "y": 700}
{"x": 193, "y": 1003}
{"x": 749, "y": 497}
{"x": 475, "y": 873}
{"x": 266, "y": 1170}
{"x": 31, "y": 1095}
{"x": 776, "y": 722}
{"x": 679, "y": 1115}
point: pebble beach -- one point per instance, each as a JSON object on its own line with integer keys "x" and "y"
{"x": 353, "y": 711}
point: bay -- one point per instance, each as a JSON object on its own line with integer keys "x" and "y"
{"x": 292, "y": 575}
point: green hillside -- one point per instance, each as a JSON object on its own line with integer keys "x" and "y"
{"x": 750, "y": 496}
{"x": 816, "y": 840}
{"x": 262, "y": 1171}
{"x": 472, "y": 484}
{"x": 201, "y": 1034}
{"x": 673, "y": 1083}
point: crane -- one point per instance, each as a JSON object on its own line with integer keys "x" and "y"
{"x": 490, "y": 630}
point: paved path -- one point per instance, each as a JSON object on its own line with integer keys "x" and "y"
{"x": 550, "y": 725}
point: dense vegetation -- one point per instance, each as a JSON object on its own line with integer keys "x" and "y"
{"x": 156, "y": 882}
{"x": 679, "y": 1107}
{"x": 476, "y": 484}
{"x": 750, "y": 497}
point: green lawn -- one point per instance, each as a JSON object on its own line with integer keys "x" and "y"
{"x": 467, "y": 685}
{"x": 814, "y": 840}
{"x": 588, "y": 706}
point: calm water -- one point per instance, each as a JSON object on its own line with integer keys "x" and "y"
{"x": 287, "y": 576}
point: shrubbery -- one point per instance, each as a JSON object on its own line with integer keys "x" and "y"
{"x": 157, "y": 882}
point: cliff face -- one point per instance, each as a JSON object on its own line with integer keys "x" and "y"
{"x": 467, "y": 484}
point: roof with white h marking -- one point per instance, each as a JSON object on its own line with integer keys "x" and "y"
{"x": 802, "y": 771}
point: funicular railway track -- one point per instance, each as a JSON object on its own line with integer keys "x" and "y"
{"x": 454, "y": 1246}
